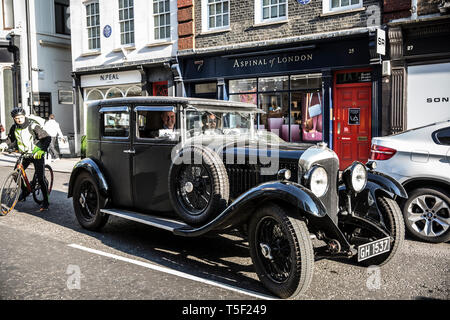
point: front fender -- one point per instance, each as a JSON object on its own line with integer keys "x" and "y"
{"x": 89, "y": 165}
{"x": 390, "y": 186}
{"x": 240, "y": 209}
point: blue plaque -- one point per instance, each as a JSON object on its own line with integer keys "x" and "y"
{"x": 303, "y": 1}
{"x": 107, "y": 30}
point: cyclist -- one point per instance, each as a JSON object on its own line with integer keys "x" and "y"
{"x": 27, "y": 136}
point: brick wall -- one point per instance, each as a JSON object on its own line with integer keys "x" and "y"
{"x": 303, "y": 20}
{"x": 396, "y": 9}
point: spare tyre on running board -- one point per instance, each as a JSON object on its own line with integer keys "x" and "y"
{"x": 198, "y": 185}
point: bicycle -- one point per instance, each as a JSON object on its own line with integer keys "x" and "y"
{"x": 12, "y": 186}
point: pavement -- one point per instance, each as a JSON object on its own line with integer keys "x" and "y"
{"x": 63, "y": 165}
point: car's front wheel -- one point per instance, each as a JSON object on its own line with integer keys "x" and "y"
{"x": 87, "y": 202}
{"x": 392, "y": 219}
{"x": 281, "y": 251}
{"x": 427, "y": 214}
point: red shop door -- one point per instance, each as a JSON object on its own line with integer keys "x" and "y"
{"x": 352, "y": 126}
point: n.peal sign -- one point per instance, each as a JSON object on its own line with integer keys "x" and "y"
{"x": 110, "y": 78}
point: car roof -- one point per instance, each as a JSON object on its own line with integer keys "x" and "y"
{"x": 195, "y": 102}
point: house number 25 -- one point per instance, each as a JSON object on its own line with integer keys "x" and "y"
{"x": 351, "y": 51}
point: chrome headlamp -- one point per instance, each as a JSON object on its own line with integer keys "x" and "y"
{"x": 355, "y": 177}
{"x": 317, "y": 180}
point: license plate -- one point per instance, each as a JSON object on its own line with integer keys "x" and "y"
{"x": 373, "y": 248}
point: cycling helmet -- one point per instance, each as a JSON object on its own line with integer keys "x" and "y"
{"x": 17, "y": 111}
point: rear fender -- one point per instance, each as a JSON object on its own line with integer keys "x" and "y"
{"x": 88, "y": 165}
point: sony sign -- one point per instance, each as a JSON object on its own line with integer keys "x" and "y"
{"x": 428, "y": 94}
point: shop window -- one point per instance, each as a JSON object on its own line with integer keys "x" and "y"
{"x": 134, "y": 91}
{"x": 126, "y": 21}
{"x": 243, "y": 90}
{"x": 160, "y": 88}
{"x": 8, "y": 14}
{"x": 353, "y": 77}
{"x": 62, "y": 17}
{"x": 114, "y": 93}
{"x": 116, "y": 124}
{"x": 95, "y": 94}
{"x": 340, "y": 5}
{"x": 293, "y": 105}
{"x": 161, "y": 18}
{"x": 270, "y": 10}
{"x": 210, "y": 87}
{"x": 93, "y": 25}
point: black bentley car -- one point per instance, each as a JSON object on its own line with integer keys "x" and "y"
{"x": 195, "y": 166}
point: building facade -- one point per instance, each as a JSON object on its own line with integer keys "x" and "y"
{"x": 122, "y": 48}
{"x": 311, "y": 65}
{"x": 35, "y": 61}
{"x": 419, "y": 91}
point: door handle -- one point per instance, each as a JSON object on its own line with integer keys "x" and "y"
{"x": 129, "y": 151}
{"x": 339, "y": 128}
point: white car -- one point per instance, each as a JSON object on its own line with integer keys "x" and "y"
{"x": 420, "y": 160}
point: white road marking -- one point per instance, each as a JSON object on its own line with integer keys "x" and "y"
{"x": 174, "y": 272}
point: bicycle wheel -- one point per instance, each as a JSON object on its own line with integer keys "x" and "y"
{"x": 10, "y": 191}
{"x": 48, "y": 177}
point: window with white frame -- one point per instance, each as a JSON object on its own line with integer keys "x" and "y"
{"x": 8, "y": 14}
{"x": 218, "y": 14}
{"x": 126, "y": 21}
{"x": 341, "y": 5}
{"x": 93, "y": 25}
{"x": 270, "y": 10}
{"x": 161, "y": 18}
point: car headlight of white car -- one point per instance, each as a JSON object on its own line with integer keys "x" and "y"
{"x": 355, "y": 177}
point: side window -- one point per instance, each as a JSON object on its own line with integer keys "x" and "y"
{"x": 442, "y": 137}
{"x": 156, "y": 124}
{"x": 116, "y": 124}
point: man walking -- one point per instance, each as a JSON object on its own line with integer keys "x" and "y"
{"x": 53, "y": 129}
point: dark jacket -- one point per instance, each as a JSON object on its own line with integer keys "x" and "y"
{"x": 40, "y": 137}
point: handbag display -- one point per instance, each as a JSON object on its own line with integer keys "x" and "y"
{"x": 313, "y": 116}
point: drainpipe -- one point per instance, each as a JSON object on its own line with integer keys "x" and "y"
{"x": 30, "y": 75}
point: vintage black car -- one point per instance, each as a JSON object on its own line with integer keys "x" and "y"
{"x": 214, "y": 172}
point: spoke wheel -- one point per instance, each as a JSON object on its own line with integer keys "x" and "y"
{"x": 394, "y": 224}
{"x": 281, "y": 251}
{"x": 87, "y": 202}
{"x": 427, "y": 215}
{"x": 198, "y": 185}
{"x": 194, "y": 188}
{"x": 10, "y": 192}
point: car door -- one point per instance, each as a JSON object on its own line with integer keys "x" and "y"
{"x": 115, "y": 153}
{"x": 152, "y": 147}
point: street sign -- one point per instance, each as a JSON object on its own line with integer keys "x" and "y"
{"x": 381, "y": 42}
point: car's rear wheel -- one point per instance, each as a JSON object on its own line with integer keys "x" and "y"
{"x": 427, "y": 214}
{"x": 87, "y": 202}
{"x": 281, "y": 251}
{"x": 198, "y": 185}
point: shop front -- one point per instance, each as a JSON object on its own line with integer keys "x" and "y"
{"x": 309, "y": 92}
{"x": 109, "y": 85}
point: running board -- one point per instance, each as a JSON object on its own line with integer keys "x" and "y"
{"x": 158, "y": 222}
